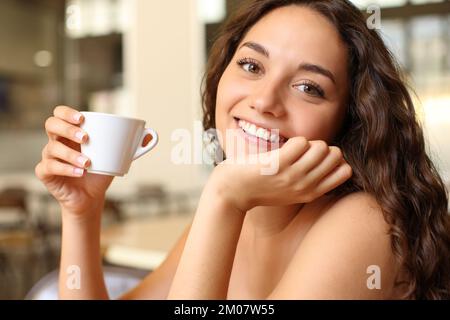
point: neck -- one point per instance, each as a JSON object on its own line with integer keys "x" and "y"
{"x": 269, "y": 221}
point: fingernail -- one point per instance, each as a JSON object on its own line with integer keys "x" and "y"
{"x": 80, "y": 135}
{"x": 78, "y": 171}
{"x": 82, "y": 160}
{"x": 77, "y": 117}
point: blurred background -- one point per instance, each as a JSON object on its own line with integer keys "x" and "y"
{"x": 145, "y": 59}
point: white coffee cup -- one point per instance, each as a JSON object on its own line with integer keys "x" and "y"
{"x": 114, "y": 142}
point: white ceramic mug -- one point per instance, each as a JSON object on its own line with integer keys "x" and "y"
{"x": 114, "y": 142}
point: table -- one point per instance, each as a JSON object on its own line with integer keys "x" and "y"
{"x": 143, "y": 243}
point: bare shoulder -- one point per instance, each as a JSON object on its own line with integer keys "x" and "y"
{"x": 347, "y": 245}
{"x": 359, "y": 208}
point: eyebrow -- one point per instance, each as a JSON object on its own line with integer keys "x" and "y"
{"x": 304, "y": 66}
{"x": 257, "y": 47}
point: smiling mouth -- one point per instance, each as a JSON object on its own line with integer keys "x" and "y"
{"x": 269, "y": 135}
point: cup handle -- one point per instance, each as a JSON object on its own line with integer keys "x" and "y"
{"x": 143, "y": 150}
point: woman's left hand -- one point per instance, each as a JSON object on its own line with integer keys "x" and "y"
{"x": 306, "y": 171}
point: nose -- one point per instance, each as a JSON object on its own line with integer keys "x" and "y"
{"x": 266, "y": 99}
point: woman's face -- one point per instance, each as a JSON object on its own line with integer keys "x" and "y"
{"x": 288, "y": 73}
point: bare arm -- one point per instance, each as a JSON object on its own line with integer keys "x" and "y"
{"x": 81, "y": 251}
{"x": 81, "y": 198}
{"x": 81, "y": 275}
{"x": 205, "y": 265}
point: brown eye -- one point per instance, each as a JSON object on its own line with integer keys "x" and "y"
{"x": 249, "y": 65}
{"x": 310, "y": 89}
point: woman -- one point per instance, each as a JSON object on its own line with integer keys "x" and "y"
{"x": 354, "y": 192}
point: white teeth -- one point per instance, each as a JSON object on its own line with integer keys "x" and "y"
{"x": 274, "y": 138}
{"x": 259, "y": 132}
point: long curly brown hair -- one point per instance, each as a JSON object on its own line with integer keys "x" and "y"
{"x": 380, "y": 138}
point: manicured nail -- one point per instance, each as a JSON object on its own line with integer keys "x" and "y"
{"x": 82, "y": 160}
{"x": 77, "y": 117}
{"x": 80, "y": 135}
{"x": 78, "y": 172}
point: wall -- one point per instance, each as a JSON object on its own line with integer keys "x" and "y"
{"x": 164, "y": 54}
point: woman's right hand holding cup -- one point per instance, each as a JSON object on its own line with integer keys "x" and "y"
{"x": 62, "y": 167}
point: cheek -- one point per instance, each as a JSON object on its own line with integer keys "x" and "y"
{"x": 221, "y": 106}
{"x": 231, "y": 90}
{"x": 230, "y": 93}
{"x": 314, "y": 124}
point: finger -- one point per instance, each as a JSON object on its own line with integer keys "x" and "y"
{"x": 53, "y": 167}
{"x": 71, "y": 144}
{"x": 57, "y": 127}
{"x": 59, "y": 151}
{"x": 68, "y": 114}
{"x": 312, "y": 157}
{"x": 292, "y": 150}
{"x": 331, "y": 161}
{"x": 339, "y": 175}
